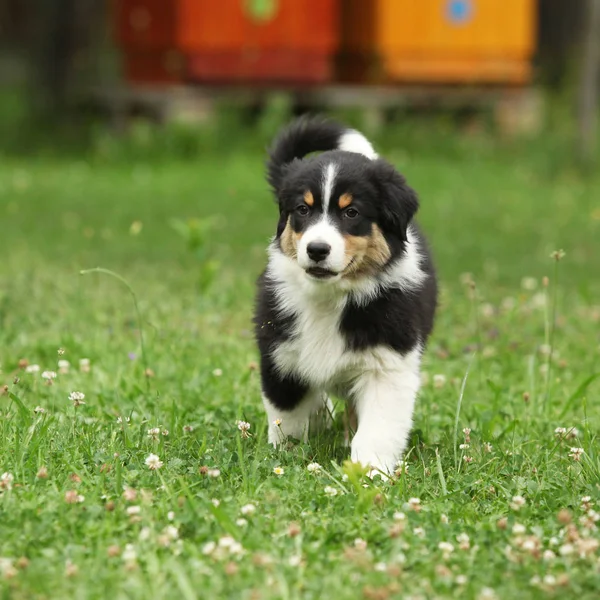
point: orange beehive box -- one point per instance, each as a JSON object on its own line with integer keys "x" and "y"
{"x": 226, "y": 41}
{"x": 439, "y": 41}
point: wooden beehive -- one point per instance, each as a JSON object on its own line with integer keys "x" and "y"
{"x": 226, "y": 42}
{"x": 438, "y": 41}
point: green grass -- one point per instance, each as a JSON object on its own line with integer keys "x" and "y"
{"x": 531, "y": 357}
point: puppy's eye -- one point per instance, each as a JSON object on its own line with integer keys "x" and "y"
{"x": 302, "y": 210}
{"x": 351, "y": 213}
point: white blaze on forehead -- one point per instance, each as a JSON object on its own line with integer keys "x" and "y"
{"x": 354, "y": 141}
{"x": 329, "y": 174}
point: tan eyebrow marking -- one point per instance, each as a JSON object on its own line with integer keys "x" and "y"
{"x": 345, "y": 200}
{"x": 308, "y": 198}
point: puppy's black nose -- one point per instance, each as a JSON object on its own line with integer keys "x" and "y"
{"x": 318, "y": 251}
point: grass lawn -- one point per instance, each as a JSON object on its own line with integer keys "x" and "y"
{"x": 499, "y": 511}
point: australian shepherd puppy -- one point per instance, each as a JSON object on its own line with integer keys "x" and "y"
{"x": 347, "y": 300}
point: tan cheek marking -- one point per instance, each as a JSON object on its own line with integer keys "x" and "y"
{"x": 289, "y": 240}
{"x": 309, "y": 199}
{"x": 356, "y": 246}
{"x": 345, "y": 200}
{"x": 369, "y": 253}
{"x": 379, "y": 251}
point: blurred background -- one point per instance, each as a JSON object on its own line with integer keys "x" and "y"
{"x": 133, "y": 132}
{"x": 74, "y": 65}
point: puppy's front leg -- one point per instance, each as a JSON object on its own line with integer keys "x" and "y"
{"x": 384, "y": 404}
{"x": 312, "y": 411}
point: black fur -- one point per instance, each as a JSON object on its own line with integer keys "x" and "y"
{"x": 303, "y": 136}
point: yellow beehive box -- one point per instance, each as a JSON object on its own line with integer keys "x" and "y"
{"x": 439, "y": 41}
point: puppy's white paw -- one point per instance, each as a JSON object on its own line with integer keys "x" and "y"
{"x": 384, "y": 466}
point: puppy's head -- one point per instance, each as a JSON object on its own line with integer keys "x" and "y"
{"x": 343, "y": 215}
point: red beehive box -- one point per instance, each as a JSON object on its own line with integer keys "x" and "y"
{"x": 228, "y": 41}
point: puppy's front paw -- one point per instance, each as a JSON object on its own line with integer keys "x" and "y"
{"x": 276, "y": 435}
{"x": 379, "y": 464}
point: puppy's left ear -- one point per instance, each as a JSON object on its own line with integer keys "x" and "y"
{"x": 398, "y": 202}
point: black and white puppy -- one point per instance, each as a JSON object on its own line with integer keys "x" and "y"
{"x": 347, "y": 301}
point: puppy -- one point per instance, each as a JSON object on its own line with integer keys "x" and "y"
{"x": 347, "y": 300}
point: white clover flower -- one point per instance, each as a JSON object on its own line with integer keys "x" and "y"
{"x": 236, "y": 548}
{"x": 529, "y": 283}
{"x": 241, "y": 522}
{"x": 130, "y": 494}
{"x": 214, "y": 473}
{"x": 129, "y": 554}
{"x": 576, "y": 453}
{"x": 399, "y": 516}
{"x": 439, "y": 380}
{"x": 518, "y": 529}
{"x": 487, "y": 593}
{"x": 244, "y": 428}
{"x": 360, "y": 544}
{"x": 517, "y": 502}
{"x": 77, "y": 398}
{"x": 248, "y": 509}
{"x": 217, "y": 372}
{"x": 49, "y": 375}
{"x": 153, "y": 462}
{"x": 6, "y": 481}
{"x": 446, "y": 547}
{"x": 171, "y": 531}
{"x": 414, "y": 504}
{"x": 39, "y": 410}
{"x": 226, "y": 541}
{"x": 154, "y": 433}
{"x": 133, "y": 510}
{"x": 209, "y": 548}
{"x": 32, "y": 369}
{"x": 313, "y": 467}
{"x": 84, "y": 365}
{"x": 330, "y": 491}
{"x": 401, "y": 468}
{"x": 548, "y": 555}
{"x": 566, "y": 549}
{"x": 72, "y": 497}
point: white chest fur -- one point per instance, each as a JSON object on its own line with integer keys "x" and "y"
{"x": 316, "y": 352}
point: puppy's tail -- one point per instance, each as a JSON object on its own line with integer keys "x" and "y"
{"x": 312, "y": 134}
